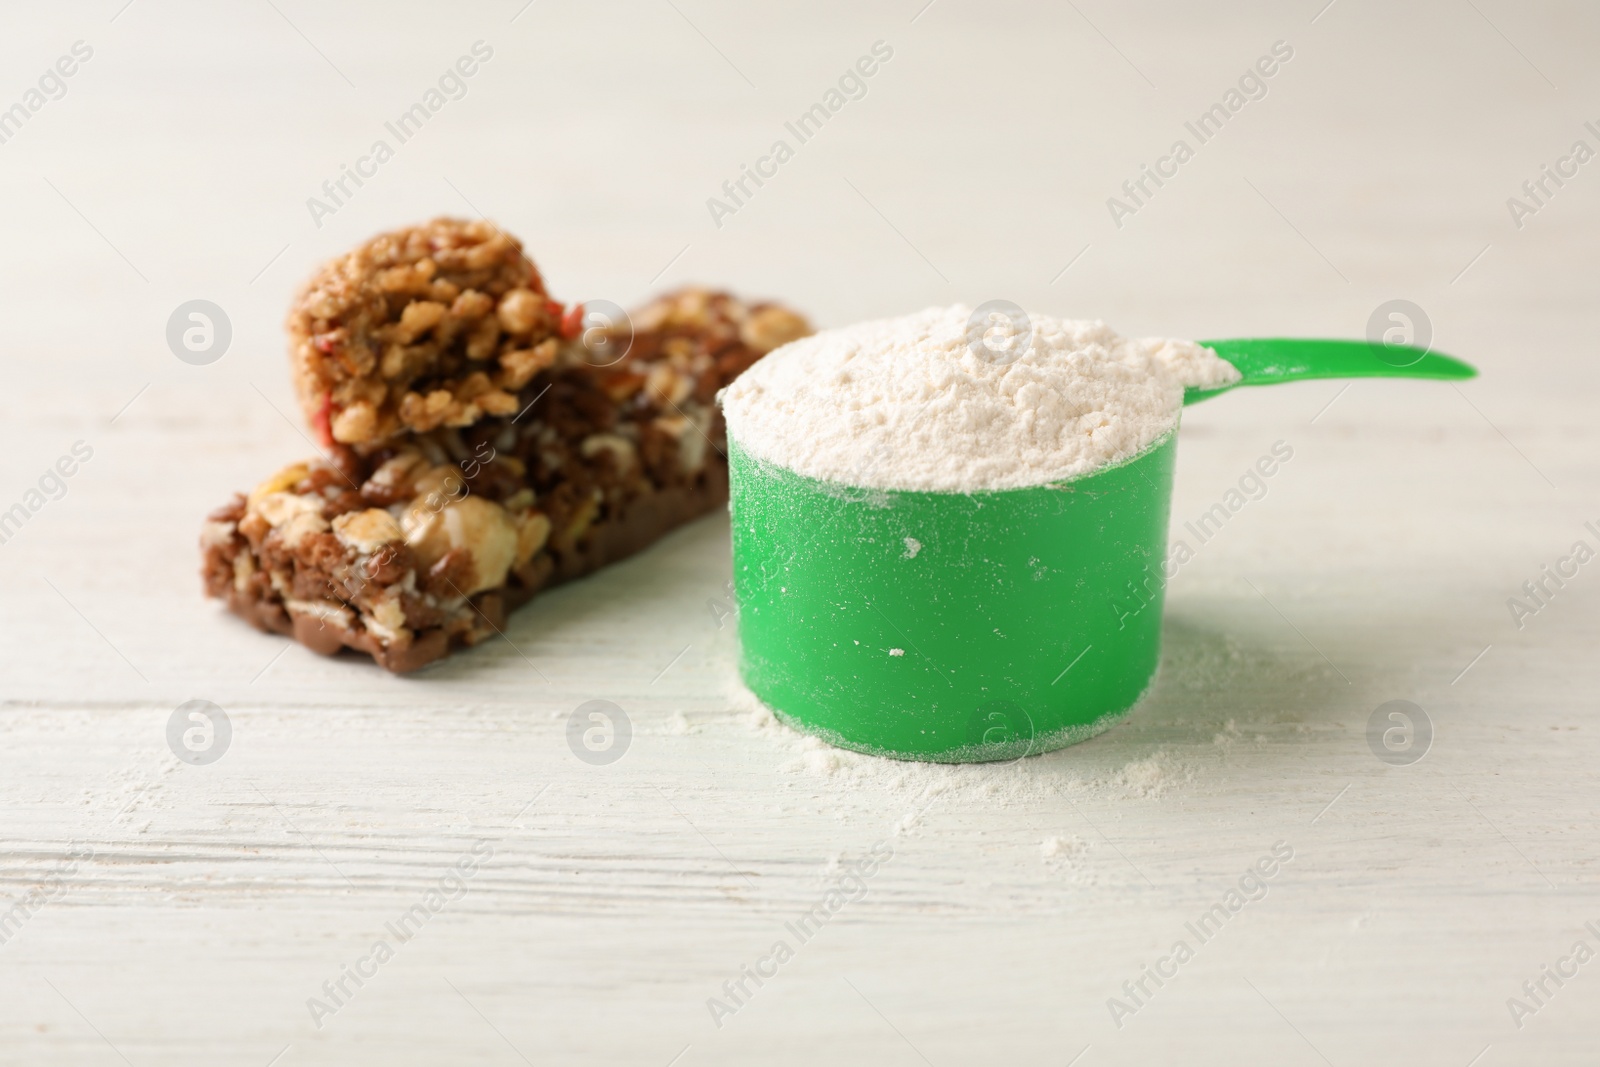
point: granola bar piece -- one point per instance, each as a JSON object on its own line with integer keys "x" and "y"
{"x": 428, "y": 326}
{"x": 413, "y": 547}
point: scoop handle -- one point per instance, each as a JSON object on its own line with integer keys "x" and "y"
{"x": 1269, "y": 360}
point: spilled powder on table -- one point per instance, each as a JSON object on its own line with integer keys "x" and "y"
{"x": 1027, "y": 781}
{"x": 1067, "y": 857}
{"x": 1149, "y": 777}
{"x": 1055, "y": 848}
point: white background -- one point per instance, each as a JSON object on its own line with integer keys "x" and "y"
{"x": 1378, "y": 166}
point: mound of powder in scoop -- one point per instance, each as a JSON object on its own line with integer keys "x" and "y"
{"x": 907, "y": 404}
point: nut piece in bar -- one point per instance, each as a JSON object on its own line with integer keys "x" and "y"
{"x": 412, "y": 547}
{"x": 433, "y": 325}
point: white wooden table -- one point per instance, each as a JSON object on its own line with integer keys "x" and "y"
{"x": 208, "y": 905}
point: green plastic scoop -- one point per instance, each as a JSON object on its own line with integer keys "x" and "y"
{"x": 1270, "y": 360}
{"x": 964, "y": 627}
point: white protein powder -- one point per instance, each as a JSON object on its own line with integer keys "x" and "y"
{"x": 906, "y": 404}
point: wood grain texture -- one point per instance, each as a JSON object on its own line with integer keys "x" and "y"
{"x": 610, "y": 903}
